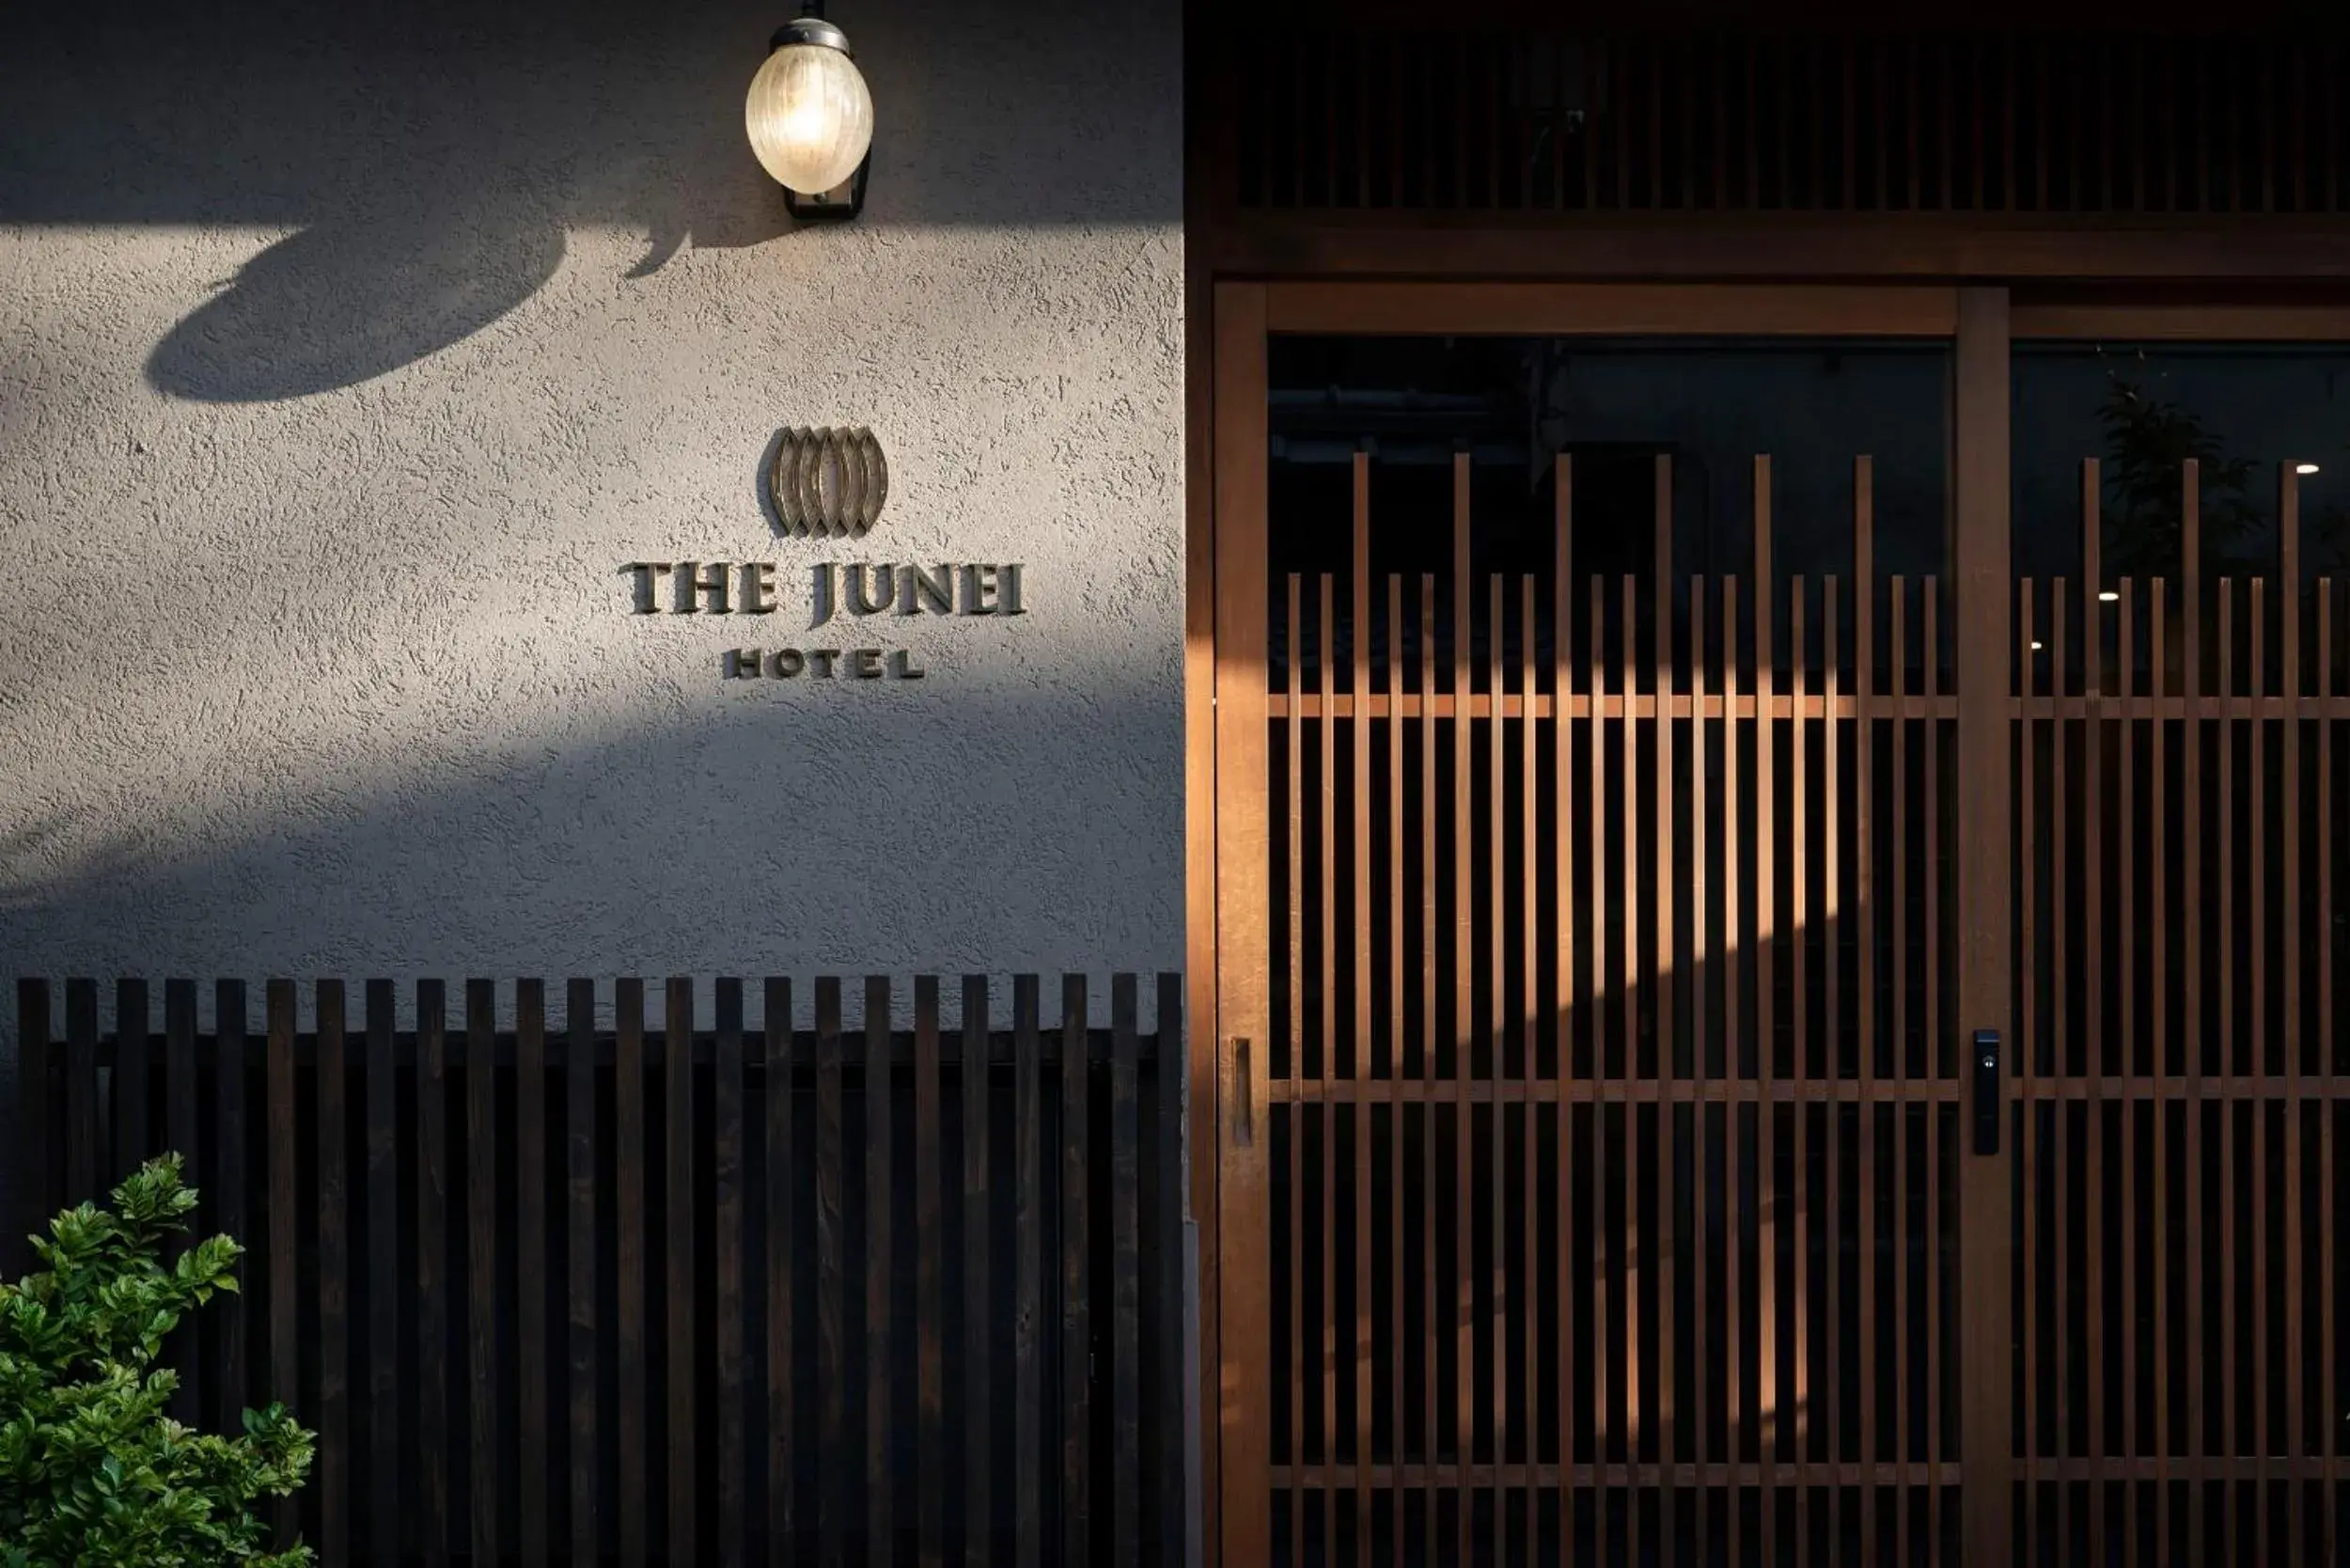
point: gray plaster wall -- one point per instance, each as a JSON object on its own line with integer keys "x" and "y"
{"x": 346, "y": 352}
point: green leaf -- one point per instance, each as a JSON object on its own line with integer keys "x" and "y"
{"x": 94, "y": 1473}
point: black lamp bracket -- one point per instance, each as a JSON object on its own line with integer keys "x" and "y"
{"x": 847, "y": 200}
{"x": 837, "y": 205}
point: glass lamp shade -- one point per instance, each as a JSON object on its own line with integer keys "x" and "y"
{"x": 809, "y": 116}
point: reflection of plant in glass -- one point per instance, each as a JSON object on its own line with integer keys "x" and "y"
{"x": 2330, "y": 535}
{"x": 2147, "y": 442}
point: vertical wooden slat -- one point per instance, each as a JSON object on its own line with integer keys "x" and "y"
{"x": 2062, "y": 1260}
{"x": 1619, "y": 123}
{"x": 2097, "y": 1046}
{"x": 2158, "y": 1015}
{"x": 1634, "y": 1414}
{"x": 34, "y": 1181}
{"x": 632, "y": 1265}
{"x": 1563, "y": 842}
{"x": 978, "y": 1387}
{"x": 1463, "y": 1006}
{"x": 2139, "y": 51}
{"x": 2264, "y": 73}
{"x": 1945, "y": 92}
{"x": 1077, "y": 1275}
{"x": 727, "y": 1248}
{"x": 284, "y": 1206}
{"x": 1851, "y": 98}
{"x": 1530, "y": 1026}
{"x": 1865, "y": 958}
{"x": 2230, "y": 1065}
{"x": 1028, "y": 1185}
{"x": 1126, "y": 1269}
{"x": 881, "y": 1498}
{"x": 1173, "y": 1523}
{"x": 1593, "y": 59}
{"x": 2260, "y": 1059}
{"x": 2101, "y": 104}
{"x": 2202, "y": 67}
{"x": 1397, "y": 1030}
{"x": 1429, "y": 1065}
{"x": 1326, "y": 667}
{"x": 1656, "y": 153}
{"x": 1913, "y": 163}
{"x": 530, "y": 1264}
{"x": 832, "y": 1266}
{"x": 482, "y": 1142}
{"x": 2026, "y": 1052}
{"x": 1905, "y": 1344}
{"x": 2297, "y": 937}
{"x": 1977, "y": 122}
{"x": 1834, "y": 1374}
{"x": 334, "y": 1212}
{"x": 776, "y": 1078}
{"x": 1293, "y": 659}
{"x": 180, "y": 1104}
{"x": 1765, "y": 828}
{"x": 2329, "y": 1044}
{"x": 1663, "y": 672}
{"x": 2329, "y": 192}
{"x": 2329, "y": 1047}
{"x": 1360, "y": 918}
{"x": 385, "y": 1520}
{"x": 2125, "y": 865}
{"x": 1736, "y": 1427}
{"x": 2011, "y": 92}
{"x": 228, "y": 1179}
{"x": 579, "y": 1257}
{"x": 682, "y": 1309}
{"x": 132, "y": 1025}
{"x": 1595, "y": 786}
{"x": 930, "y": 1396}
{"x": 1937, "y": 1359}
{"x": 1798, "y": 915}
{"x": 431, "y": 1220}
{"x": 1700, "y": 1410}
{"x": 2191, "y": 952}
{"x": 2045, "y": 138}
{"x": 1497, "y": 948}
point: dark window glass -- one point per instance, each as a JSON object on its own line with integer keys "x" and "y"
{"x": 2245, "y": 412}
{"x": 1711, "y": 406}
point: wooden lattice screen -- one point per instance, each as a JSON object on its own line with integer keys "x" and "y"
{"x": 1444, "y": 115}
{"x": 677, "y": 1289}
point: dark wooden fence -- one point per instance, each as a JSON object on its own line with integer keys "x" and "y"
{"x": 613, "y": 1292}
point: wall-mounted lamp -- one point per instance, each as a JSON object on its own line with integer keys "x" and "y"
{"x": 810, "y": 118}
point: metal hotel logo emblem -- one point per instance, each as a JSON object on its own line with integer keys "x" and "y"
{"x": 828, "y": 483}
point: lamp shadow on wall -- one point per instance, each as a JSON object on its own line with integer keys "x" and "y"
{"x": 349, "y": 299}
{"x": 433, "y": 158}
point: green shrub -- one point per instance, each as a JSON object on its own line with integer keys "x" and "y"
{"x": 93, "y": 1472}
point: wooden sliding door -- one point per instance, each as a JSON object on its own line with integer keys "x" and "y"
{"x": 1612, "y": 884}
{"x": 2179, "y": 676}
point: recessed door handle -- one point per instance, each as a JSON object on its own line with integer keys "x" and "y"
{"x": 1989, "y": 1112}
{"x": 1244, "y": 1095}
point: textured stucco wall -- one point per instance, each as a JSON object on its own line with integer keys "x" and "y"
{"x": 347, "y": 351}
